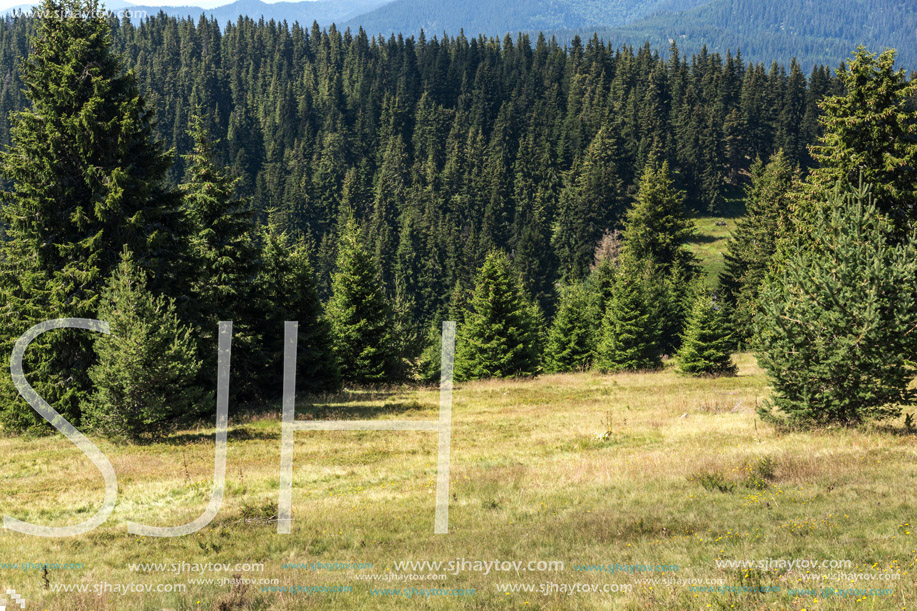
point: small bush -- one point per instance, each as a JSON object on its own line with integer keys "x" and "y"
{"x": 715, "y": 482}
{"x": 760, "y": 473}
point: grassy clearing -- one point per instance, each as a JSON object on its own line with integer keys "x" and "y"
{"x": 713, "y": 232}
{"x": 685, "y": 474}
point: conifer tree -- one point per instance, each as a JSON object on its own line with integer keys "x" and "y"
{"x": 870, "y": 136}
{"x": 628, "y": 338}
{"x": 86, "y": 178}
{"x": 835, "y": 330}
{"x": 144, "y": 381}
{"x": 589, "y": 204}
{"x": 499, "y": 337}
{"x": 571, "y": 339}
{"x": 751, "y": 249}
{"x": 225, "y": 259}
{"x": 286, "y": 291}
{"x": 359, "y": 311}
{"x": 707, "y": 345}
{"x": 655, "y": 231}
{"x": 656, "y": 227}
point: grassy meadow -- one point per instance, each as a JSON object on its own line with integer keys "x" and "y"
{"x": 684, "y": 474}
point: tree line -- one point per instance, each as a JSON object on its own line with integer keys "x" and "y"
{"x": 384, "y": 186}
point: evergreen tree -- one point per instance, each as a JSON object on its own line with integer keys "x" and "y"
{"x": 144, "y": 379}
{"x": 359, "y": 311}
{"x": 286, "y": 291}
{"x": 225, "y": 260}
{"x": 751, "y": 248}
{"x": 835, "y": 329}
{"x": 707, "y": 345}
{"x": 655, "y": 232}
{"x": 870, "y": 135}
{"x": 571, "y": 338}
{"x": 589, "y": 204}
{"x": 629, "y": 336}
{"x": 86, "y": 178}
{"x": 655, "y": 227}
{"x": 499, "y": 337}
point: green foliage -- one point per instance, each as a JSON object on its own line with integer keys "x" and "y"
{"x": 655, "y": 226}
{"x": 225, "y": 262}
{"x": 870, "y": 136}
{"x": 286, "y": 291}
{"x": 628, "y": 340}
{"x": 707, "y": 345}
{"x": 714, "y": 481}
{"x": 835, "y": 329}
{"x": 655, "y": 231}
{"x": 359, "y": 311}
{"x": 144, "y": 380}
{"x": 85, "y": 175}
{"x": 751, "y": 249}
{"x": 571, "y": 337}
{"x": 500, "y": 335}
{"x": 589, "y": 203}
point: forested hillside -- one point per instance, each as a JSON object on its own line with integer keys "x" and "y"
{"x": 812, "y": 31}
{"x": 498, "y": 18}
{"x": 448, "y": 148}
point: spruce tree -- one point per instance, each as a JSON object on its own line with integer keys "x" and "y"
{"x": 589, "y": 204}
{"x": 285, "y": 290}
{"x": 225, "y": 260}
{"x": 656, "y": 227}
{"x": 655, "y": 231}
{"x": 359, "y": 311}
{"x": 500, "y": 336}
{"x": 144, "y": 382}
{"x": 870, "y": 135}
{"x": 835, "y": 332}
{"x": 86, "y": 179}
{"x": 706, "y": 348}
{"x": 628, "y": 339}
{"x": 571, "y": 338}
{"x": 751, "y": 249}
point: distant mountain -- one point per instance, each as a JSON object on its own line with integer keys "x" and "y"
{"x": 497, "y": 17}
{"x": 813, "y": 31}
{"x": 324, "y": 12}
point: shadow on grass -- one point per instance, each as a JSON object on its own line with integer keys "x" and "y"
{"x": 704, "y": 238}
{"x": 350, "y": 411}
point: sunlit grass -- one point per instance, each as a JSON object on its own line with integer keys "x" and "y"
{"x": 531, "y": 480}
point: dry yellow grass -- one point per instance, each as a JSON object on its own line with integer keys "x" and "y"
{"x": 530, "y": 481}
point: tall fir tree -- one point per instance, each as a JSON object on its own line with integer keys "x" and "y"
{"x": 655, "y": 226}
{"x": 286, "y": 291}
{"x": 656, "y": 230}
{"x": 86, "y": 179}
{"x": 752, "y": 246}
{"x": 225, "y": 260}
{"x": 870, "y": 136}
{"x": 359, "y": 311}
{"x": 499, "y": 336}
{"x": 590, "y": 203}
{"x": 570, "y": 342}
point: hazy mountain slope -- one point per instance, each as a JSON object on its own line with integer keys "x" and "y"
{"x": 325, "y": 12}
{"x": 499, "y": 17}
{"x": 813, "y": 31}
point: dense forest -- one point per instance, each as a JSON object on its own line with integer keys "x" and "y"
{"x": 454, "y": 147}
{"x": 538, "y": 195}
